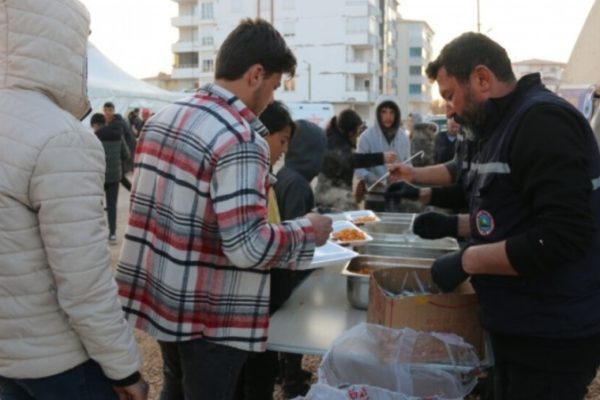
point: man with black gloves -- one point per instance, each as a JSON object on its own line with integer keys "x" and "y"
{"x": 534, "y": 207}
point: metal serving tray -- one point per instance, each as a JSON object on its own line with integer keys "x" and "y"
{"x": 357, "y": 283}
{"x": 392, "y": 249}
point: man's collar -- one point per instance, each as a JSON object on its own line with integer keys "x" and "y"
{"x": 495, "y": 108}
{"x": 213, "y": 89}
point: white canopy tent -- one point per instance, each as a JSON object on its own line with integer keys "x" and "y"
{"x": 584, "y": 64}
{"x": 108, "y": 82}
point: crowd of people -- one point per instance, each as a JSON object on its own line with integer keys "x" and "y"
{"x": 216, "y": 240}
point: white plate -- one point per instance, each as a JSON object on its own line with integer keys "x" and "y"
{"x": 331, "y": 255}
{"x": 339, "y": 225}
{"x": 354, "y": 216}
{"x": 341, "y": 216}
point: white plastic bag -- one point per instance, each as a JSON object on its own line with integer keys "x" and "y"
{"x": 400, "y": 364}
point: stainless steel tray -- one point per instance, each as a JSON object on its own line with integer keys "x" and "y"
{"x": 394, "y": 250}
{"x": 357, "y": 283}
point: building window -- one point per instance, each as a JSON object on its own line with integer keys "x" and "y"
{"x": 207, "y": 11}
{"x": 415, "y": 52}
{"x": 415, "y": 89}
{"x": 357, "y": 25}
{"x": 207, "y": 41}
{"x": 415, "y": 70}
{"x": 207, "y": 65}
{"x": 289, "y": 85}
{"x": 186, "y": 60}
{"x": 367, "y": 84}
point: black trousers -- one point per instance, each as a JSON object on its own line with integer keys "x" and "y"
{"x": 528, "y": 368}
{"x": 111, "y": 191}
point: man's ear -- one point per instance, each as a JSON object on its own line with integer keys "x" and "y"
{"x": 254, "y": 75}
{"x": 481, "y": 78}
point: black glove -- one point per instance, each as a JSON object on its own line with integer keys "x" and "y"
{"x": 447, "y": 271}
{"x": 402, "y": 190}
{"x": 433, "y": 225}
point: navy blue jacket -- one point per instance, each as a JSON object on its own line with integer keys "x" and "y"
{"x": 544, "y": 200}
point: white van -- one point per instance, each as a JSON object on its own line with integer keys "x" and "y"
{"x": 317, "y": 113}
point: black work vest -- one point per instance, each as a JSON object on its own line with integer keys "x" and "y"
{"x": 560, "y": 303}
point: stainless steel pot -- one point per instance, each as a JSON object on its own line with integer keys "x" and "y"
{"x": 357, "y": 282}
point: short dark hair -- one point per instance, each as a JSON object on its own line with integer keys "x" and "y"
{"x": 97, "y": 118}
{"x": 464, "y": 53}
{"x": 253, "y": 42}
{"x": 345, "y": 122}
{"x": 109, "y": 104}
{"x": 276, "y": 117}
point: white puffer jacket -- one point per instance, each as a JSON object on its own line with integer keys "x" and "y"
{"x": 58, "y": 300}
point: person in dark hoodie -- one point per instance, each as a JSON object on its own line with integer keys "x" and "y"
{"x": 334, "y": 188}
{"x": 386, "y": 134}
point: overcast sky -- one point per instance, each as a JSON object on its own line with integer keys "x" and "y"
{"x": 137, "y": 34}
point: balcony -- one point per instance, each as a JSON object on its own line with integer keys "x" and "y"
{"x": 363, "y": 39}
{"x": 185, "y": 20}
{"x": 185, "y": 71}
{"x": 360, "y": 67}
{"x": 359, "y": 96}
{"x": 185, "y": 47}
{"x": 191, "y": 46}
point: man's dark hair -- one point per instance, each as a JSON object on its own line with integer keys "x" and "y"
{"x": 98, "y": 119}
{"x": 463, "y": 54}
{"x": 109, "y": 104}
{"x": 253, "y": 42}
{"x": 276, "y": 117}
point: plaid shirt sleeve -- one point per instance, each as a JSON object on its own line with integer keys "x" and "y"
{"x": 240, "y": 204}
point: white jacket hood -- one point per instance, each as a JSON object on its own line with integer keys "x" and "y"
{"x": 58, "y": 68}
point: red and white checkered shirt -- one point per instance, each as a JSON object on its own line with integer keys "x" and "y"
{"x": 198, "y": 248}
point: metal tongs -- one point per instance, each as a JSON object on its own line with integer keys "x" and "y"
{"x": 419, "y": 153}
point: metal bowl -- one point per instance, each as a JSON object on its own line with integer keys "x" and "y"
{"x": 357, "y": 282}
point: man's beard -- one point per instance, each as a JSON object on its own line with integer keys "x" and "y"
{"x": 473, "y": 117}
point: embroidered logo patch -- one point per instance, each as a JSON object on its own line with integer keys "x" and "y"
{"x": 485, "y": 223}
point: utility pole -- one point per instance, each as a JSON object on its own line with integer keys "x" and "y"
{"x": 272, "y": 12}
{"x": 309, "y": 71}
{"x": 478, "y": 19}
{"x": 257, "y": 8}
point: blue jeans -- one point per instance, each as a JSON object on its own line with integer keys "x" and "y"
{"x": 83, "y": 382}
{"x": 198, "y": 370}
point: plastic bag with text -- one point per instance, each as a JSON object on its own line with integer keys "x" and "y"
{"x": 397, "y": 364}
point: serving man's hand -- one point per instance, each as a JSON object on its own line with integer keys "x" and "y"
{"x": 433, "y": 225}
{"x": 402, "y": 190}
{"x": 322, "y": 226}
{"x": 447, "y": 271}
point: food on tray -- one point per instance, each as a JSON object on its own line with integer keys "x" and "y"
{"x": 363, "y": 219}
{"x": 348, "y": 235}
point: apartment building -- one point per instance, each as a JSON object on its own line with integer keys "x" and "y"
{"x": 345, "y": 48}
{"x": 551, "y": 71}
{"x": 415, "y": 52}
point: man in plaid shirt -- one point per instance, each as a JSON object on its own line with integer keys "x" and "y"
{"x": 194, "y": 268}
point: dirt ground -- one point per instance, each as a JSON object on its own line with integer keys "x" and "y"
{"x": 152, "y": 361}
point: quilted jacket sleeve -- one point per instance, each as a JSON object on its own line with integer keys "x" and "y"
{"x": 66, "y": 191}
